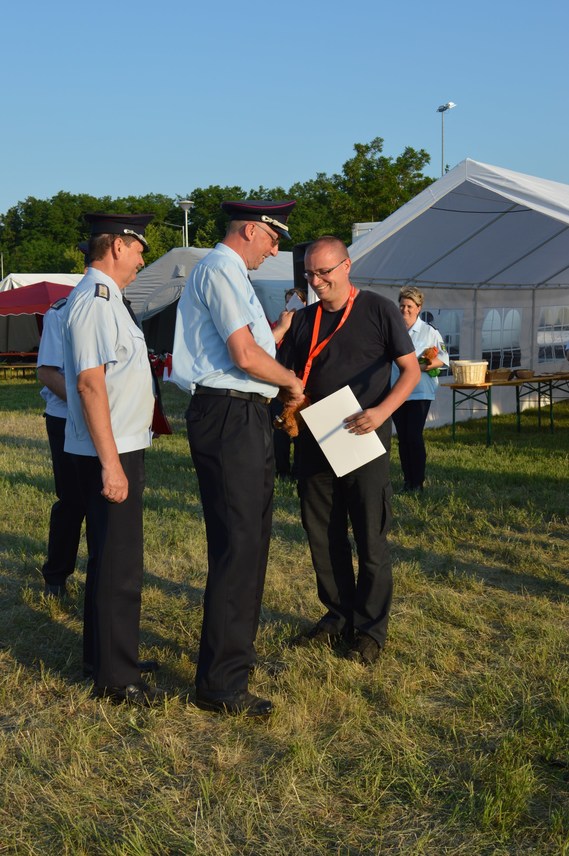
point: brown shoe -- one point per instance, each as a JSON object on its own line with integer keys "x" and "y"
{"x": 364, "y": 650}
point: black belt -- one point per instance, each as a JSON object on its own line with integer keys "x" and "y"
{"x": 232, "y": 393}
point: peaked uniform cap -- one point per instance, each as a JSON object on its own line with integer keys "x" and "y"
{"x": 120, "y": 224}
{"x": 83, "y": 247}
{"x": 274, "y": 214}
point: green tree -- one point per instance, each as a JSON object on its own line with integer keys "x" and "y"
{"x": 320, "y": 209}
{"x": 42, "y": 235}
{"x": 39, "y": 254}
{"x": 370, "y": 188}
{"x": 378, "y": 185}
{"x": 207, "y": 222}
{"x": 161, "y": 239}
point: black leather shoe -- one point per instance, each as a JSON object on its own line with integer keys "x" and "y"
{"x": 365, "y": 650}
{"x": 235, "y": 703}
{"x": 320, "y": 634}
{"x": 412, "y": 488}
{"x": 57, "y": 590}
{"x": 140, "y": 695}
{"x": 145, "y": 666}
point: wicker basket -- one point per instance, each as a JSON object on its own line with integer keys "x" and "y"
{"x": 499, "y": 374}
{"x": 469, "y": 371}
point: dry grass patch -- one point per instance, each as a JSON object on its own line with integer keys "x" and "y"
{"x": 454, "y": 743}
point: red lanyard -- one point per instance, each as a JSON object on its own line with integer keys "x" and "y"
{"x": 316, "y": 349}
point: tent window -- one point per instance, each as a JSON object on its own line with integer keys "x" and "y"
{"x": 501, "y": 338}
{"x": 448, "y": 323}
{"x": 552, "y": 333}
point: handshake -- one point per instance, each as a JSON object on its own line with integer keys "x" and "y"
{"x": 290, "y": 418}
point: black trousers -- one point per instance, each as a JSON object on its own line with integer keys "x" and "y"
{"x": 111, "y": 621}
{"x": 409, "y": 420}
{"x": 67, "y": 513}
{"x": 327, "y": 503}
{"x": 282, "y": 444}
{"x": 231, "y": 443}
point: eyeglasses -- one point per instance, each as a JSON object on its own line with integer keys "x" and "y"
{"x": 275, "y": 241}
{"x": 308, "y": 274}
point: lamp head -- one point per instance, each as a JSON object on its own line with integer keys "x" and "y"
{"x": 444, "y": 107}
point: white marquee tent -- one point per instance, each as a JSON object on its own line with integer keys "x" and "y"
{"x": 489, "y": 248}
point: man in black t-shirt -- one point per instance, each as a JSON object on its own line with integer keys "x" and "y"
{"x": 363, "y": 334}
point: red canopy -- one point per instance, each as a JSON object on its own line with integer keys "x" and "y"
{"x": 32, "y": 299}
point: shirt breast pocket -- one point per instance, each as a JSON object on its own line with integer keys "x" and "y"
{"x": 139, "y": 351}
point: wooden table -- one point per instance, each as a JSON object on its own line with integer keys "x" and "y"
{"x": 543, "y": 385}
{"x": 18, "y": 369}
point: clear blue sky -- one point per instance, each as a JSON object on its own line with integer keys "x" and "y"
{"x": 119, "y": 98}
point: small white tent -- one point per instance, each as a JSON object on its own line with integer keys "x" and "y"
{"x": 489, "y": 248}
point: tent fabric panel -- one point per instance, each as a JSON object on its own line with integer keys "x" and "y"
{"x": 32, "y": 299}
{"x": 474, "y": 182}
{"x": 547, "y": 264}
{"x": 550, "y": 198}
{"x": 20, "y": 280}
{"x": 172, "y": 267}
{"x": 494, "y": 250}
{"x": 19, "y": 333}
{"x": 473, "y": 249}
{"x": 270, "y": 282}
{"x": 408, "y": 255}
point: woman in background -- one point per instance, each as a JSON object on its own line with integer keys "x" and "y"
{"x": 410, "y": 418}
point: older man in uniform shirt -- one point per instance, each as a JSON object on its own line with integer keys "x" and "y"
{"x": 224, "y": 352}
{"x": 110, "y": 405}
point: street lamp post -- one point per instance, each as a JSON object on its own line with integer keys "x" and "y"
{"x": 442, "y": 110}
{"x": 1, "y": 254}
{"x": 186, "y": 205}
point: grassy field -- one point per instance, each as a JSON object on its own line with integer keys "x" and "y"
{"x": 457, "y": 742}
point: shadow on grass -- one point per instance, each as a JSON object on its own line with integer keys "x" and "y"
{"x": 26, "y": 442}
{"x": 43, "y": 633}
{"x": 444, "y": 567}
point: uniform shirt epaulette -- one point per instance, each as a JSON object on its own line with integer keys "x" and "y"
{"x": 59, "y": 303}
{"x": 102, "y": 290}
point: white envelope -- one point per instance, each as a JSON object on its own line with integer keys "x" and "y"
{"x": 345, "y": 451}
{"x": 294, "y": 302}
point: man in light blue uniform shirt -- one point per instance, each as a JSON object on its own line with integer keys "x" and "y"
{"x": 110, "y": 405}
{"x": 224, "y": 354}
{"x": 68, "y": 512}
